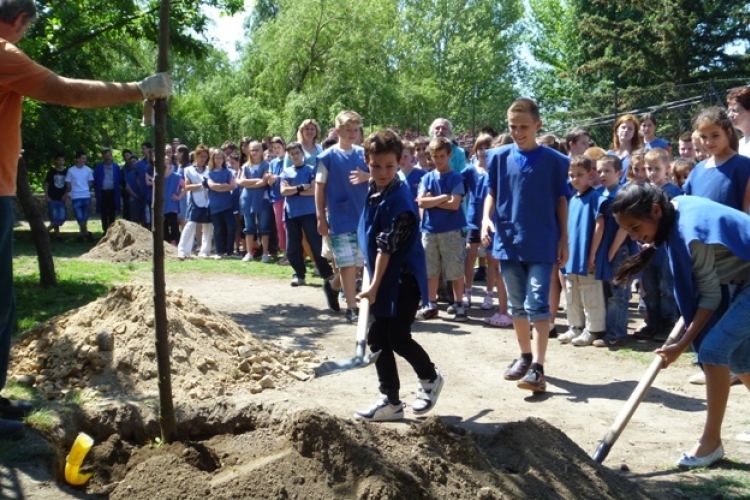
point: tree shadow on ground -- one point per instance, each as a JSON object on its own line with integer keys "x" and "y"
{"x": 69, "y": 247}
{"x": 621, "y": 390}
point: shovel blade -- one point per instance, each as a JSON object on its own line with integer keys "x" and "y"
{"x": 331, "y": 367}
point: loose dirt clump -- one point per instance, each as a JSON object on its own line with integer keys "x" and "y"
{"x": 127, "y": 242}
{"x": 312, "y": 455}
{"x": 108, "y": 347}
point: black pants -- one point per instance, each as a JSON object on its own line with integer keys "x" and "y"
{"x": 171, "y": 228}
{"x": 389, "y": 335}
{"x": 294, "y": 228}
{"x": 107, "y": 208}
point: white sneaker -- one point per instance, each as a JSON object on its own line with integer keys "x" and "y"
{"x": 567, "y": 337}
{"x": 744, "y": 437}
{"x": 265, "y": 258}
{"x": 248, "y": 257}
{"x": 487, "y": 304}
{"x": 382, "y": 411}
{"x": 698, "y": 378}
{"x": 427, "y": 394}
{"x": 584, "y": 339}
{"x": 466, "y": 301}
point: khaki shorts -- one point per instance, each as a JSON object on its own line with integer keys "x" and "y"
{"x": 445, "y": 252}
{"x": 346, "y": 251}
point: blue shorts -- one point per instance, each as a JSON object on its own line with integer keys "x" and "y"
{"x": 728, "y": 343}
{"x": 527, "y": 284}
{"x": 259, "y": 222}
{"x": 82, "y": 209}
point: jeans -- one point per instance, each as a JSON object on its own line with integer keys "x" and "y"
{"x": 7, "y": 297}
{"x": 393, "y": 335}
{"x": 259, "y": 222}
{"x": 728, "y": 343}
{"x": 658, "y": 283}
{"x": 56, "y": 212}
{"x": 224, "y": 228}
{"x": 82, "y": 209}
{"x": 617, "y": 301}
{"x": 294, "y": 228}
{"x": 527, "y": 284}
{"x": 107, "y": 208}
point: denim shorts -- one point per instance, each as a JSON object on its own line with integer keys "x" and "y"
{"x": 82, "y": 209}
{"x": 527, "y": 284}
{"x": 728, "y": 343}
{"x": 259, "y": 222}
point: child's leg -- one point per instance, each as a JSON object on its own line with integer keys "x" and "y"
{"x": 651, "y": 295}
{"x": 669, "y": 311}
{"x": 217, "y": 220}
{"x": 434, "y": 264}
{"x": 399, "y": 332}
{"x": 555, "y": 290}
{"x": 185, "y": 246}
{"x": 594, "y": 309}
{"x": 385, "y": 365}
{"x": 249, "y": 232}
{"x": 264, "y": 221}
{"x": 514, "y": 278}
{"x": 278, "y": 210}
{"x": 206, "y": 236}
{"x": 348, "y": 279}
{"x": 471, "y": 256}
{"x": 575, "y": 302}
{"x": 310, "y": 227}
{"x": 717, "y": 395}
{"x": 617, "y": 305}
{"x": 231, "y": 230}
{"x": 452, "y": 248}
{"x": 294, "y": 246}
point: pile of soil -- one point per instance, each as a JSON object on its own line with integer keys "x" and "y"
{"x": 312, "y": 455}
{"x": 126, "y": 241}
{"x": 108, "y": 346}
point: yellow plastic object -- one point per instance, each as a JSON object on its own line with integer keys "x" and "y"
{"x": 73, "y": 462}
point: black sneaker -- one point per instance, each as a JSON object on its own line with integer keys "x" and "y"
{"x": 517, "y": 369}
{"x": 15, "y": 409}
{"x": 332, "y": 296}
{"x": 352, "y": 315}
{"x": 533, "y": 381}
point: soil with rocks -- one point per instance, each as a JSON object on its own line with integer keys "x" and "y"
{"x": 127, "y": 241}
{"x": 108, "y": 347}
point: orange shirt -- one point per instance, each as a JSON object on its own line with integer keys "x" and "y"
{"x": 18, "y": 76}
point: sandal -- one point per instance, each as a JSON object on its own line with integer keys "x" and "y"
{"x": 499, "y": 320}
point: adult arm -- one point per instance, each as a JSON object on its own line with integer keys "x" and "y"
{"x": 75, "y": 93}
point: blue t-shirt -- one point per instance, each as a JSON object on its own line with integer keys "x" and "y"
{"x": 412, "y": 180}
{"x": 276, "y": 167}
{"x": 527, "y": 187}
{"x": 252, "y": 199}
{"x": 297, "y": 205}
{"x": 659, "y": 257}
{"x": 658, "y": 142}
{"x": 442, "y": 220}
{"x": 345, "y": 200}
{"x": 604, "y": 269}
{"x": 220, "y": 201}
{"x": 725, "y": 183}
{"x": 171, "y": 186}
{"x": 477, "y": 188}
{"x": 143, "y": 167}
{"x": 582, "y": 211}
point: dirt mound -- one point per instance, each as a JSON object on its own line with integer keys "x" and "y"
{"x": 108, "y": 346}
{"x": 127, "y": 242}
{"x": 312, "y": 455}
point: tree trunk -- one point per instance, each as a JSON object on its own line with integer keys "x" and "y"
{"x": 167, "y": 419}
{"x": 39, "y": 232}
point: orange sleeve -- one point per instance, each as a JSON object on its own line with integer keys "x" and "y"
{"x": 18, "y": 73}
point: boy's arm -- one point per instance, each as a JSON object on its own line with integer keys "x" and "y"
{"x": 452, "y": 203}
{"x": 562, "y": 220}
{"x": 596, "y": 241}
{"x": 320, "y": 209}
{"x": 309, "y": 189}
{"x": 489, "y": 210}
{"x": 424, "y": 201}
{"x": 286, "y": 189}
{"x": 616, "y": 243}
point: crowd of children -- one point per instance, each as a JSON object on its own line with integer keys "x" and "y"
{"x": 540, "y": 213}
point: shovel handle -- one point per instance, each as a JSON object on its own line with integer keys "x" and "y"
{"x": 364, "y": 315}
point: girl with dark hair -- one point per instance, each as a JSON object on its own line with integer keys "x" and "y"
{"x": 708, "y": 246}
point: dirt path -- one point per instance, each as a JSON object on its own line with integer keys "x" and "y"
{"x": 586, "y": 386}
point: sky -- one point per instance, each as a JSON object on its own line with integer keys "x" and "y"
{"x": 228, "y": 30}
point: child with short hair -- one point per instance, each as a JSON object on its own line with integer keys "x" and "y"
{"x": 700, "y": 153}
{"x": 340, "y": 193}
{"x": 648, "y": 130}
{"x": 657, "y": 281}
{"x": 220, "y": 183}
{"x": 421, "y": 145}
{"x": 578, "y": 141}
{"x": 584, "y": 294}
{"x": 610, "y": 247}
{"x": 527, "y": 209}
{"x": 685, "y": 146}
{"x": 79, "y": 180}
{"x": 681, "y": 168}
{"x": 637, "y": 168}
{"x": 440, "y": 194}
{"x": 593, "y": 154}
{"x": 298, "y": 189}
{"x": 54, "y": 188}
{"x": 255, "y": 204}
{"x": 411, "y": 174}
{"x": 396, "y": 261}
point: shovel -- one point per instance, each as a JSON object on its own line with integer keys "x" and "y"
{"x": 360, "y": 360}
{"x": 605, "y": 445}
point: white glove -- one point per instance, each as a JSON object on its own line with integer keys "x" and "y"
{"x": 156, "y": 86}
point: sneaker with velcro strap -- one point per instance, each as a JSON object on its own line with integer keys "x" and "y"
{"x": 382, "y": 411}
{"x": 427, "y": 394}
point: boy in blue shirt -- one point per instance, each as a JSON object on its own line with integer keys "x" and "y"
{"x": 411, "y": 174}
{"x": 440, "y": 194}
{"x": 609, "y": 249}
{"x": 527, "y": 209}
{"x": 298, "y": 188}
{"x": 584, "y": 294}
{"x": 340, "y": 193}
{"x": 396, "y": 261}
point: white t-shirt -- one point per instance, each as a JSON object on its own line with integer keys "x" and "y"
{"x": 192, "y": 176}
{"x": 79, "y": 179}
{"x": 744, "y": 149}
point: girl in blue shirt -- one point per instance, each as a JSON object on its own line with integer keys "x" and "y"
{"x": 220, "y": 183}
{"x": 255, "y": 204}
